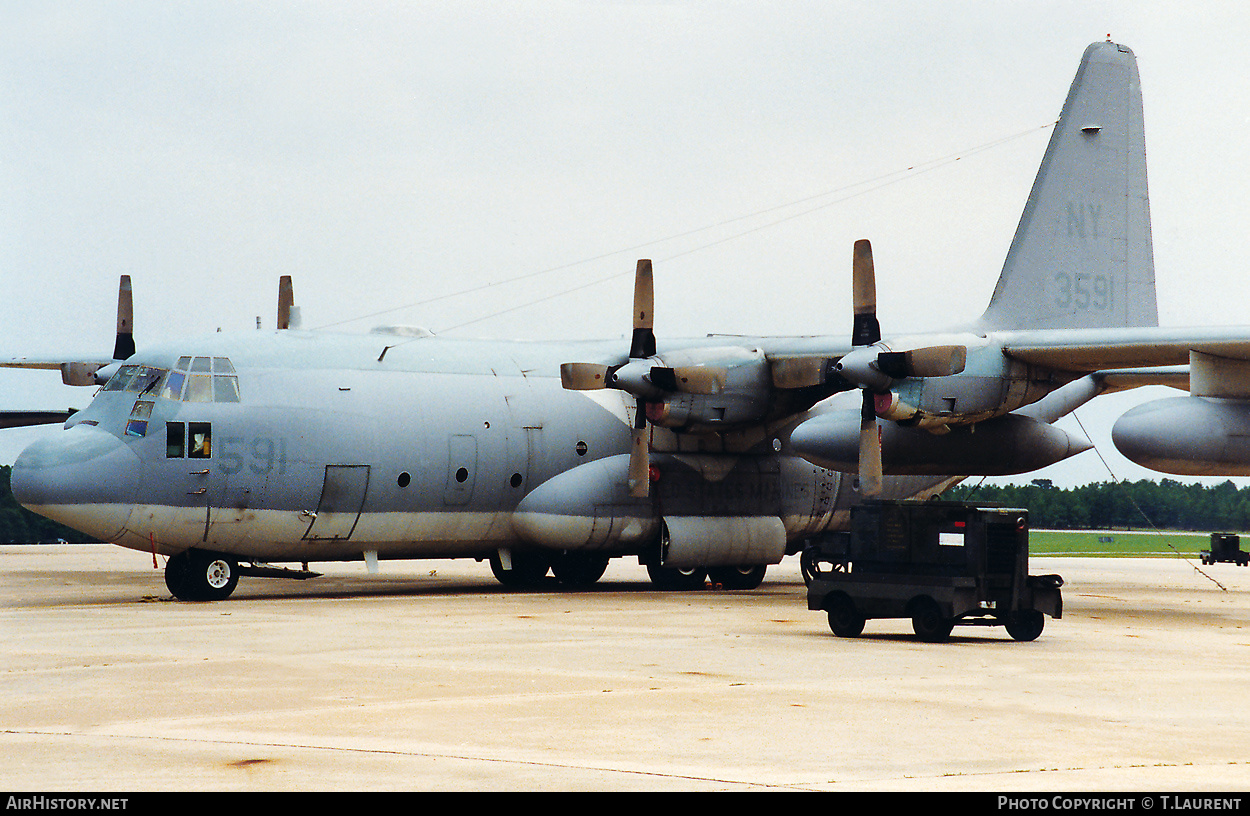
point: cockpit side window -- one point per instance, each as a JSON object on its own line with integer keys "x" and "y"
{"x": 175, "y": 440}
{"x": 200, "y": 435}
{"x": 139, "y": 416}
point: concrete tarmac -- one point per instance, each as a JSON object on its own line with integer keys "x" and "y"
{"x": 430, "y": 676}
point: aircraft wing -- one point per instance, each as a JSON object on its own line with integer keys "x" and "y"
{"x": 18, "y": 419}
{"x": 73, "y": 372}
{"x": 1089, "y": 350}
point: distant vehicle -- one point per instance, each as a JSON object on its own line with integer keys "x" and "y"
{"x": 1226, "y": 548}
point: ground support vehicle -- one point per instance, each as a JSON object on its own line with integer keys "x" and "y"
{"x": 938, "y": 563}
{"x": 1225, "y": 547}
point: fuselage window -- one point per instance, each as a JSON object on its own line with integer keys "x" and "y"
{"x": 175, "y": 440}
{"x": 200, "y": 437}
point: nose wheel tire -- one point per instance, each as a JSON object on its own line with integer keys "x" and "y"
{"x": 195, "y": 575}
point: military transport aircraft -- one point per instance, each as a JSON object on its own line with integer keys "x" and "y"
{"x": 714, "y": 456}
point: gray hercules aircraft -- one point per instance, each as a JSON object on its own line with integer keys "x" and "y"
{"x": 712, "y": 457}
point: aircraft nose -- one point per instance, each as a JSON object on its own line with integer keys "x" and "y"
{"x": 82, "y": 477}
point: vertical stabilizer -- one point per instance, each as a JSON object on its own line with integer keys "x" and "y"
{"x": 1082, "y": 256}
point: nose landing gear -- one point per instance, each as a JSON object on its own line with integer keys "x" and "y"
{"x": 196, "y": 575}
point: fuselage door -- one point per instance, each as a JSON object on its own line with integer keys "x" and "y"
{"x": 342, "y": 497}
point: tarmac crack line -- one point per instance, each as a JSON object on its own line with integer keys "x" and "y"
{"x": 405, "y": 753}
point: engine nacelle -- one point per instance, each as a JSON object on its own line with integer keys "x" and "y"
{"x": 713, "y": 541}
{"x": 587, "y": 508}
{"x": 997, "y": 447}
{"x": 1189, "y": 436}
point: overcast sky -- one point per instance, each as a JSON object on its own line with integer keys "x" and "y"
{"x": 389, "y": 153}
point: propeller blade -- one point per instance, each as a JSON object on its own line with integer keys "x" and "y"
{"x": 583, "y": 376}
{"x": 870, "y": 470}
{"x": 639, "y": 479}
{"x": 866, "y": 329}
{"x": 643, "y": 344}
{"x": 125, "y": 345}
{"x": 286, "y": 299}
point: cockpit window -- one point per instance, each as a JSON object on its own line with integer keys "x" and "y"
{"x": 136, "y": 379}
{"x": 173, "y": 385}
{"x": 199, "y": 388}
{"x": 194, "y": 379}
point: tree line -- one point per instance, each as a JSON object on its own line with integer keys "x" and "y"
{"x": 1142, "y": 505}
{"x": 20, "y": 526}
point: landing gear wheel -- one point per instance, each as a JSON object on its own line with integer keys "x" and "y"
{"x": 196, "y": 575}
{"x": 680, "y": 580}
{"x": 579, "y": 569}
{"x": 527, "y": 570}
{"x": 844, "y": 619}
{"x": 747, "y": 576}
{"x": 1025, "y": 625}
{"x": 928, "y": 622}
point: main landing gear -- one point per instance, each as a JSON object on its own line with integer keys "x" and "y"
{"x": 574, "y": 570}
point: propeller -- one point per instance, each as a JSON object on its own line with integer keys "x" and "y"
{"x": 875, "y": 371}
{"x": 633, "y": 377}
{"x": 866, "y": 331}
{"x": 95, "y": 373}
{"x": 642, "y": 346}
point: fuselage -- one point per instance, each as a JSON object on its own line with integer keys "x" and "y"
{"x": 296, "y": 446}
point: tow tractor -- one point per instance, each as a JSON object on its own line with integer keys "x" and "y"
{"x": 938, "y": 563}
{"x": 1225, "y": 547}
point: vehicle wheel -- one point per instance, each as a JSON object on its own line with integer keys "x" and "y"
{"x": 844, "y": 619}
{"x": 196, "y": 575}
{"x": 579, "y": 569}
{"x": 680, "y": 580}
{"x": 527, "y": 571}
{"x": 928, "y": 622}
{"x": 1025, "y": 624}
{"x": 743, "y": 577}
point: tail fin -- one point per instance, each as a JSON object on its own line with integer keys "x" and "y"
{"x": 1082, "y": 256}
